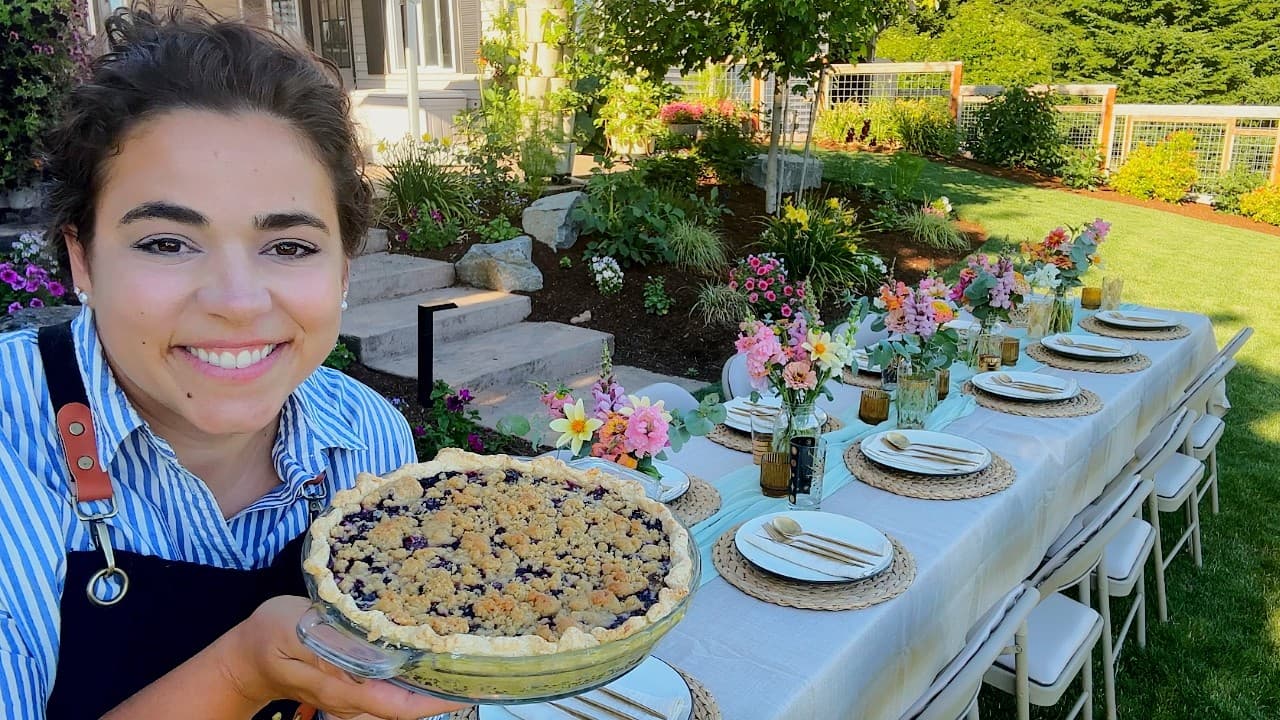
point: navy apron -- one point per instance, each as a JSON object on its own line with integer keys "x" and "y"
{"x": 171, "y": 610}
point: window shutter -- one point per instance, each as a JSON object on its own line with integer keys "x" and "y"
{"x": 375, "y": 36}
{"x": 470, "y": 30}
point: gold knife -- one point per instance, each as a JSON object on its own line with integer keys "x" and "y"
{"x": 769, "y": 551}
{"x": 632, "y": 703}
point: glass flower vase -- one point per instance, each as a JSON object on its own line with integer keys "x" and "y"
{"x": 917, "y": 397}
{"x": 987, "y": 342}
{"x": 797, "y": 432}
{"x": 1062, "y": 316}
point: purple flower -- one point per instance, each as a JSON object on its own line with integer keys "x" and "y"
{"x": 419, "y": 431}
{"x": 13, "y": 36}
{"x": 32, "y": 285}
{"x": 453, "y": 403}
{"x": 465, "y": 395}
{"x": 402, "y": 236}
{"x": 477, "y": 445}
{"x": 9, "y": 275}
{"x": 56, "y": 288}
{"x": 437, "y": 216}
{"x": 36, "y": 303}
{"x": 14, "y": 307}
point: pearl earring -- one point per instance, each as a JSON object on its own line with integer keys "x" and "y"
{"x": 344, "y": 300}
{"x": 82, "y": 296}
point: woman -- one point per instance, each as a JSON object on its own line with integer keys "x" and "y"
{"x": 207, "y": 185}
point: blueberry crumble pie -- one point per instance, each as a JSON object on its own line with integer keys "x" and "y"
{"x": 489, "y": 555}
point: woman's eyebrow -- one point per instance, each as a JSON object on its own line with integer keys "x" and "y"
{"x": 160, "y": 210}
{"x": 284, "y": 221}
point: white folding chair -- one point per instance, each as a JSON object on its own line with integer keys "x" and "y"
{"x": 673, "y": 396}
{"x": 1228, "y": 352}
{"x": 954, "y": 692}
{"x": 1175, "y": 476}
{"x": 1202, "y": 440}
{"x": 864, "y": 335}
{"x": 1059, "y": 636}
{"x": 734, "y": 378}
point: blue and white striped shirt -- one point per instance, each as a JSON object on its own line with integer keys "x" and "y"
{"x": 331, "y": 423}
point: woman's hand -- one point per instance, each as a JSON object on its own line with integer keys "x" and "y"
{"x": 266, "y": 661}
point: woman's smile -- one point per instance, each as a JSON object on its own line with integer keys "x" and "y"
{"x": 241, "y": 362}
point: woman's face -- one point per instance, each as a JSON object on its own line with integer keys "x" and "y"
{"x": 216, "y": 268}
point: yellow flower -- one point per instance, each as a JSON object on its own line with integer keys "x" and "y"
{"x": 575, "y": 427}
{"x": 824, "y": 349}
{"x": 833, "y": 203}
{"x": 382, "y": 146}
{"x": 426, "y": 137}
{"x": 942, "y": 311}
{"x": 797, "y": 215}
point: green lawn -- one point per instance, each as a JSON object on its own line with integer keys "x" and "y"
{"x": 1219, "y": 656}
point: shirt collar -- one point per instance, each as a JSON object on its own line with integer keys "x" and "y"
{"x": 310, "y": 422}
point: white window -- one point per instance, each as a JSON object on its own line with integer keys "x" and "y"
{"x": 436, "y": 38}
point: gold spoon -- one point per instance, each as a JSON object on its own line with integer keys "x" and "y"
{"x": 903, "y": 442}
{"x": 1003, "y": 379}
{"x": 924, "y": 454}
{"x": 789, "y": 527}
{"x": 813, "y": 548}
{"x": 1086, "y": 346}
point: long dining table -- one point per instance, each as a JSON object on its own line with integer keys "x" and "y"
{"x": 764, "y": 662}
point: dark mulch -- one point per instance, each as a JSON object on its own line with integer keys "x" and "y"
{"x": 392, "y": 387}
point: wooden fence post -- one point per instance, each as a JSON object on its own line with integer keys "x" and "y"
{"x": 957, "y": 76}
{"x": 1228, "y": 139}
{"x": 1106, "y": 133}
{"x": 1275, "y": 160}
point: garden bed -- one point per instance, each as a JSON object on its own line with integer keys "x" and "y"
{"x": 680, "y": 343}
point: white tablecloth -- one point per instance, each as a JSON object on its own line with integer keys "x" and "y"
{"x": 762, "y": 661}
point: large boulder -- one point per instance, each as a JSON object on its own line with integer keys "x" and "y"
{"x": 550, "y": 219}
{"x": 38, "y": 317}
{"x": 504, "y": 266}
{"x": 792, "y": 169}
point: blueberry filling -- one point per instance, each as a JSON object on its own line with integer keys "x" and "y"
{"x": 415, "y": 542}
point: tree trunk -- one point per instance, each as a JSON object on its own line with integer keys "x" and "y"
{"x": 771, "y": 194}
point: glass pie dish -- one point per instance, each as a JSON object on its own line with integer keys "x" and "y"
{"x": 490, "y": 679}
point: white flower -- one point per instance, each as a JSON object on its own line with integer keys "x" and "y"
{"x": 1045, "y": 276}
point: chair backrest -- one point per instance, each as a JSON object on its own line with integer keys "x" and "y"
{"x": 734, "y": 378}
{"x": 1235, "y": 343}
{"x": 1165, "y": 439}
{"x": 952, "y": 690}
{"x": 1197, "y": 395}
{"x": 1106, "y": 517}
{"x": 673, "y": 396}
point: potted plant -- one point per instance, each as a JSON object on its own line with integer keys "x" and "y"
{"x": 629, "y": 115}
{"x": 683, "y": 117}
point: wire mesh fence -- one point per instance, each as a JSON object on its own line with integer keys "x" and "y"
{"x": 1226, "y": 136}
{"x": 1082, "y": 111}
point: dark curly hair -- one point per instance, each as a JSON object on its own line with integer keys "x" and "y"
{"x": 185, "y": 59}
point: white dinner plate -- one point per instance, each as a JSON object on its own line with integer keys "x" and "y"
{"x": 674, "y": 483}
{"x": 737, "y": 411}
{"x": 1137, "y": 319}
{"x": 1067, "y": 388}
{"x": 797, "y": 564}
{"x": 653, "y": 682}
{"x": 1120, "y": 349}
{"x": 913, "y": 461}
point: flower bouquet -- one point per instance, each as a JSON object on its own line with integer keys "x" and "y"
{"x": 624, "y": 429}
{"x": 1060, "y": 261}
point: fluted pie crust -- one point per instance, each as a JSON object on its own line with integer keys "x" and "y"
{"x": 489, "y": 555}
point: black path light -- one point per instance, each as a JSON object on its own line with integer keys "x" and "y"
{"x": 426, "y": 350}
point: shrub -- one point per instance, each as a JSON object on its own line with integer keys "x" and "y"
{"x": 1262, "y": 204}
{"x": 450, "y": 421}
{"x": 668, "y": 142}
{"x": 904, "y": 175}
{"x": 818, "y": 242}
{"x": 718, "y": 304}
{"x": 43, "y": 50}
{"x": 675, "y": 173}
{"x": 421, "y": 173}
{"x": 1018, "y": 128}
{"x": 656, "y": 299}
{"x": 1227, "y": 189}
{"x": 340, "y": 357}
{"x": 926, "y": 127}
{"x": 626, "y": 219}
{"x": 696, "y": 247}
{"x": 934, "y": 229}
{"x": 1166, "y": 170}
{"x": 1081, "y": 169}
{"x": 841, "y": 123}
{"x": 429, "y": 230}
{"x": 629, "y": 114}
{"x": 725, "y": 147}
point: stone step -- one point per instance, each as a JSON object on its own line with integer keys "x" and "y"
{"x": 375, "y": 241}
{"x": 525, "y": 402}
{"x": 390, "y": 327}
{"x": 382, "y": 276}
{"x": 495, "y": 364}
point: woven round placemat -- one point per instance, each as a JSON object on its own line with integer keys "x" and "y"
{"x": 996, "y": 477}
{"x": 1136, "y": 363}
{"x": 1097, "y": 327}
{"x": 698, "y": 503}
{"x": 777, "y": 590}
{"x": 704, "y": 703}
{"x": 737, "y": 440}
{"x": 861, "y": 379}
{"x": 1086, "y": 403}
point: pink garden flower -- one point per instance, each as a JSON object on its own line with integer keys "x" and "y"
{"x": 799, "y": 376}
{"x": 647, "y": 431}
